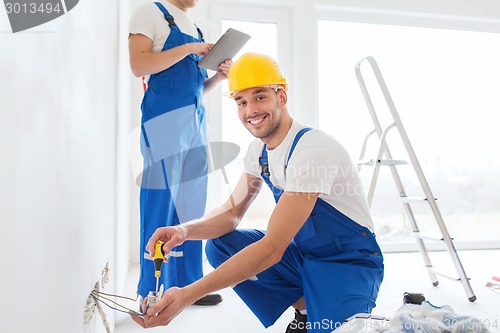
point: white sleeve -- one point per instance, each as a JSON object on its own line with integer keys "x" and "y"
{"x": 251, "y": 160}
{"x": 144, "y": 21}
{"x": 315, "y": 167}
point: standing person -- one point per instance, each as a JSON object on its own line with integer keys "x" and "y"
{"x": 165, "y": 46}
{"x": 319, "y": 253}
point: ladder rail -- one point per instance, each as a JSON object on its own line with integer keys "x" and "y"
{"x": 378, "y": 127}
{"x": 376, "y": 164}
{"x": 404, "y": 137}
{"x": 409, "y": 212}
{"x": 395, "y": 175}
{"x": 363, "y": 148}
{"x": 384, "y": 149}
{"x": 371, "y": 190}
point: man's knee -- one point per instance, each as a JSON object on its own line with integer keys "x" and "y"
{"x": 216, "y": 251}
{"x": 220, "y": 249}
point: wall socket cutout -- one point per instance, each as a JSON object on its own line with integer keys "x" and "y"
{"x": 92, "y": 305}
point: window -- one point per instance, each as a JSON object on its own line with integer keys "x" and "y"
{"x": 263, "y": 41}
{"x": 264, "y": 28}
{"x": 445, "y": 85}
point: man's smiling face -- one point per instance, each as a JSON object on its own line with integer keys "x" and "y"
{"x": 260, "y": 110}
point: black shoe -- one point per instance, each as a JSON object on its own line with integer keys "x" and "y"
{"x": 413, "y": 298}
{"x": 209, "y": 300}
{"x": 298, "y": 324}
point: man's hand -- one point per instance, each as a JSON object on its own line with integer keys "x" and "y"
{"x": 224, "y": 69}
{"x": 219, "y": 76}
{"x": 200, "y": 49}
{"x": 173, "y": 302}
{"x": 171, "y": 236}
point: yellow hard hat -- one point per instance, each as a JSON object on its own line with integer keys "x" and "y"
{"x": 254, "y": 70}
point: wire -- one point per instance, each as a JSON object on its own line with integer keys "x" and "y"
{"x": 113, "y": 295}
{"x": 110, "y": 300}
{"x": 109, "y": 306}
{"x": 129, "y": 311}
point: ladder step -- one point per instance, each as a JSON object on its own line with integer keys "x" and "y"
{"x": 383, "y": 162}
{"x": 415, "y": 199}
{"x": 433, "y": 269}
{"x": 426, "y": 237}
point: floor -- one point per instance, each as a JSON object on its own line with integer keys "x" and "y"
{"x": 404, "y": 273}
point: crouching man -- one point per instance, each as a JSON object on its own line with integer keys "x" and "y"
{"x": 319, "y": 253}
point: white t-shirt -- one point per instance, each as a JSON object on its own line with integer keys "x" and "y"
{"x": 319, "y": 164}
{"x": 150, "y": 21}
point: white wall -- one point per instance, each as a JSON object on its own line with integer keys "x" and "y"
{"x": 62, "y": 166}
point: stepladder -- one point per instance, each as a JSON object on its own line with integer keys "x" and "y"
{"x": 382, "y": 158}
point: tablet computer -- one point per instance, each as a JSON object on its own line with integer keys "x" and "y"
{"x": 225, "y": 48}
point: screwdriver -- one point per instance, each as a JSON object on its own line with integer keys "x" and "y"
{"x": 158, "y": 257}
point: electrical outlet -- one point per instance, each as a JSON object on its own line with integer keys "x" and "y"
{"x": 92, "y": 304}
{"x": 90, "y": 307}
{"x": 105, "y": 276}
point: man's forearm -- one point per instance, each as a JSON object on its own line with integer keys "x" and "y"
{"x": 288, "y": 217}
{"x": 211, "y": 83}
{"x": 216, "y": 223}
{"x": 244, "y": 265}
{"x": 147, "y": 63}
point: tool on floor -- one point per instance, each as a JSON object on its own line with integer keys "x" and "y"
{"x": 413, "y": 298}
{"x": 493, "y": 285}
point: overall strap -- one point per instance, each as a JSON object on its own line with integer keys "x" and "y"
{"x": 264, "y": 167}
{"x": 264, "y": 163}
{"x": 200, "y": 34}
{"x": 168, "y": 17}
{"x": 295, "y": 141}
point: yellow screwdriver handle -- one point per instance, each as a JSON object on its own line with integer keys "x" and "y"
{"x": 158, "y": 253}
{"x": 158, "y": 256}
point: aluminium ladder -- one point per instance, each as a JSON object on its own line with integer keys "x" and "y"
{"x": 384, "y": 158}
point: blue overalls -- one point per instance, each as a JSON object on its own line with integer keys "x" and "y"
{"x": 335, "y": 263}
{"x": 173, "y": 144}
